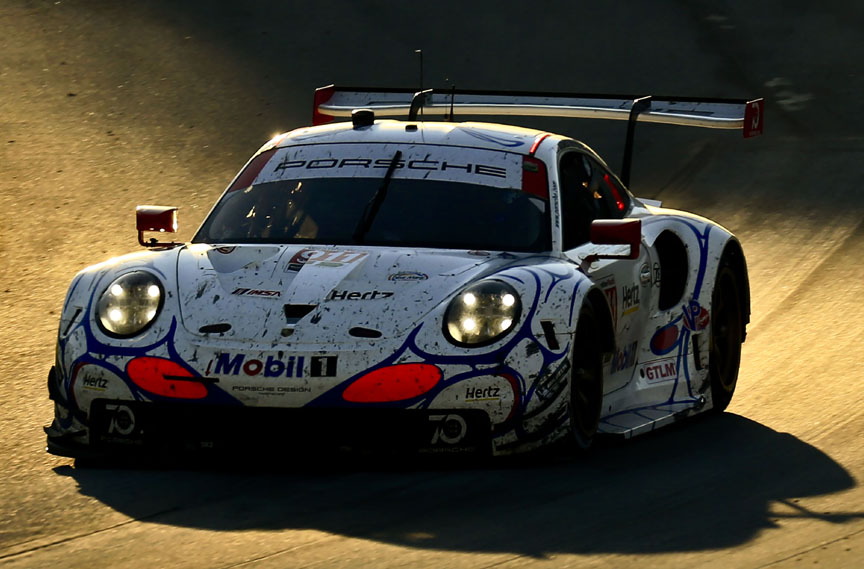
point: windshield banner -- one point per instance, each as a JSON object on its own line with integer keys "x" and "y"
{"x": 418, "y": 161}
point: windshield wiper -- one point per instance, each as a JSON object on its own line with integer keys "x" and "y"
{"x": 371, "y": 209}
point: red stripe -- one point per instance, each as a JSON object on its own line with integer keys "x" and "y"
{"x": 245, "y": 179}
{"x": 619, "y": 201}
{"x": 537, "y": 142}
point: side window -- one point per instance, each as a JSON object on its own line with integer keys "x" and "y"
{"x": 612, "y": 199}
{"x": 578, "y": 210}
{"x": 588, "y": 192}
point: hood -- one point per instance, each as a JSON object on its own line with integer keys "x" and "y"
{"x": 316, "y": 294}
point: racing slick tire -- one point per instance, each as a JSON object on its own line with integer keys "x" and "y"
{"x": 586, "y": 381}
{"x": 726, "y": 337}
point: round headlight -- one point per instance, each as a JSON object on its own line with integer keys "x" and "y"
{"x": 129, "y": 304}
{"x": 482, "y": 313}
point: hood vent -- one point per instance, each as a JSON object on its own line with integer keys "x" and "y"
{"x": 295, "y": 312}
{"x": 215, "y": 328}
{"x": 359, "y": 332}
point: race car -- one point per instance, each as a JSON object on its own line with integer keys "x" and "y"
{"x": 412, "y": 285}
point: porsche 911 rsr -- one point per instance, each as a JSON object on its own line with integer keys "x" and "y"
{"x": 409, "y": 284}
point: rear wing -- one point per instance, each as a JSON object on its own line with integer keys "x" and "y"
{"x": 333, "y": 102}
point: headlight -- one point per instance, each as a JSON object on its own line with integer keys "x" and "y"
{"x": 482, "y": 313}
{"x": 129, "y": 304}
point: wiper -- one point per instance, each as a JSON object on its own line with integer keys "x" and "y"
{"x": 371, "y": 209}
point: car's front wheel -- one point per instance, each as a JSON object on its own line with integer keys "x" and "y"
{"x": 727, "y": 335}
{"x": 586, "y": 380}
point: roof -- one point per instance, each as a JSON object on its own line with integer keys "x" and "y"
{"x": 470, "y": 134}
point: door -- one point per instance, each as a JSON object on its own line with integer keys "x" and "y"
{"x": 588, "y": 192}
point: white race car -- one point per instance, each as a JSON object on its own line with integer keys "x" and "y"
{"x": 414, "y": 286}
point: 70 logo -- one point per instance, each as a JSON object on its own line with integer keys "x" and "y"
{"x": 448, "y": 429}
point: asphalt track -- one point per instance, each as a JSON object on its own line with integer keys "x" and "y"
{"x": 105, "y": 105}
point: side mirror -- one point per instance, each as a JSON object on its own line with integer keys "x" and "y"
{"x": 616, "y": 232}
{"x": 155, "y": 218}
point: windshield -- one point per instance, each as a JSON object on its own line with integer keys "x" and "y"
{"x": 418, "y": 210}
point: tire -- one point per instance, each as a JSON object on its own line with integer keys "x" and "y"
{"x": 727, "y": 335}
{"x": 586, "y": 381}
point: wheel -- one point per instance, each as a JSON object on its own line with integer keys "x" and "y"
{"x": 726, "y": 337}
{"x": 586, "y": 380}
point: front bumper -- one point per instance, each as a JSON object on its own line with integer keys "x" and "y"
{"x": 135, "y": 427}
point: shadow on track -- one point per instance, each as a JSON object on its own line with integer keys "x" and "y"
{"x": 709, "y": 485}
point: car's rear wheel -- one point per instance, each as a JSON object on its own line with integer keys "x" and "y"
{"x": 586, "y": 380}
{"x": 727, "y": 335}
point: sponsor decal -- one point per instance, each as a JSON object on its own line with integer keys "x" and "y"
{"x": 424, "y": 164}
{"x": 449, "y": 429}
{"x": 479, "y": 253}
{"x": 408, "y": 276}
{"x": 257, "y": 292}
{"x": 661, "y": 370}
{"x": 487, "y": 167}
{"x": 611, "y": 292}
{"x": 324, "y": 258}
{"x": 623, "y": 358}
{"x": 474, "y": 394}
{"x": 271, "y": 389}
{"x": 665, "y": 339}
{"x": 629, "y": 299}
{"x": 122, "y": 420}
{"x": 695, "y": 316}
{"x": 657, "y": 274}
{"x": 323, "y": 366}
{"x": 554, "y": 195}
{"x": 357, "y": 295}
{"x": 292, "y": 366}
{"x": 95, "y": 383}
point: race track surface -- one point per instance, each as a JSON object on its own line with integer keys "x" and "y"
{"x": 106, "y": 105}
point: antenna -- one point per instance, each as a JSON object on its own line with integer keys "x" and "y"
{"x": 420, "y": 53}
